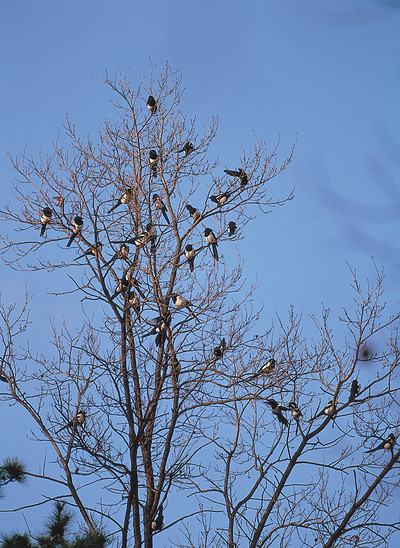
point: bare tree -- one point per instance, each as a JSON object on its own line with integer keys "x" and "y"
{"x": 166, "y": 385}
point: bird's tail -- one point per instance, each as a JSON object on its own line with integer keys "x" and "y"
{"x": 165, "y": 214}
{"x": 215, "y": 252}
{"x": 71, "y": 239}
{"x": 43, "y": 229}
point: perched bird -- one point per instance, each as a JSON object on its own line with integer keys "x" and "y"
{"x": 125, "y": 199}
{"x": 161, "y": 324}
{"x": 2, "y": 378}
{"x": 152, "y": 104}
{"x": 220, "y": 199}
{"x": 328, "y": 410}
{"x": 180, "y": 302}
{"x": 122, "y": 287}
{"x": 152, "y": 235}
{"x": 388, "y": 443}
{"x": 190, "y": 255}
{"x": 133, "y": 301}
{"x": 194, "y": 213}
{"x": 240, "y": 174}
{"x": 277, "y": 411}
{"x": 265, "y": 369}
{"x": 294, "y": 410}
{"x": 45, "y": 219}
{"x": 140, "y": 240}
{"x": 158, "y": 523}
{"x": 231, "y": 228}
{"x": 187, "y": 149}
{"x": 121, "y": 253}
{"x": 153, "y": 159}
{"x": 78, "y": 420}
{"x": 354, "y": 390}
{"x": 93, "y": 251}
{"x": 159, "y": 204}
{"x": 212, "y": 240}
{"x": 77, "y": 225}
{"x": 220, "y": 349}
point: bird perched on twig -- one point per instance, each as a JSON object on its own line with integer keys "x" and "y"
{"x": 77, "y": 226}
{"x": 45, "y": 219}
{"x": 265, "y": 369}
{"x": 158, "y": 523}
{"x": 180, "y": 302}
{"x": 231, "y": 228}
{"x": 152, "y": 104}
{"x": 212, "y": 241}
{"x": 187, "y": 149}
{"x": 329, "y": 410}
{"x": 240, "y": 174}
{"x": 78, "y": 420}
{"x": 93, "y": 251}
{"x": 220, "y": 349}
{"x": 153, "y": 159}
{"x": 190, "y": 255}
{"x": 133, "y": 301}
{"x": 121, "y": 253}
{"x": 294, "y": 410}
{"x": 354, "y": 390}
{"x": 159, "y": 204}
{"x": 152, "y": 235}
{"x": 220, "y": 199}
{"x": 277, "y": 411}
{"x": 388, "y": 443}
{"x": 194, "y": 213}
{"x": 125, "y": 199}
{"x": 123, "y": 286}
{"x": 161, "y": 324}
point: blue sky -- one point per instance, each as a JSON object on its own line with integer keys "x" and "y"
{"x": 326, "y": 71}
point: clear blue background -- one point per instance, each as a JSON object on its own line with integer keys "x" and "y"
{"x": 327, "y": 71}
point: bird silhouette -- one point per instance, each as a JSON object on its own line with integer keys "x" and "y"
{"x": 77, "y": 226}
{"x": 45, "y": 219}
{"x": 152, "y": 104}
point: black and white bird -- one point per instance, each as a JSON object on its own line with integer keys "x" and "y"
{"x": 152, "y": 104}
{"x": 45, "y": 219}
{"x": 354, "y": 390}
{"x": 277, "y": 411}
{"x": 329, "y": 410}
{"x": 231, "y": 228}
{"x": 134, "y": 302}
{"x": 265, "y": 369}
{"x": 123, "y": 286}
{"x": 180, "y": 302}
{"x": 159, "y": 204}
{"x": 153, "y": 159}
{"x": 240, "y": 174}
{"x": 140, "y": 240}
{"x": 125, "y": 199}
{"x": 212, "y": 241}
{"x": 152, "y": 235}
{"x": 187, "y": 149}
{"x": 78, "y": 420}
{"x": 388, "y": 443}
{"x": 294, "y": 410}
{"x": 190, "y": 255}
{"x": 160, "y": 324}
{"x": 121, "y": 253}
{"x": 93, "y": 251}
{"x": 77, "y": 226}
{"x": 194, "y": 213}
{"x": 220, "y": 199}
{"x": 220, "y": 349}
{"x": 158, "y": 523}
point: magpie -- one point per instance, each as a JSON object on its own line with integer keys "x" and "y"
{"x": 240, "y": 174}
{"x": 187, "y": 149}
{"x": 77, "y": 225}
{"x": 212, "y": 240}
{"x": 231, "y": 228}
{"x": 328, "y": 410}
{"x": 134, "y": 302}
{"x": 194, "y": 213}
{"x": 180, "y": 302}
{"x": 190, "y": 255}
{"x": 152, "y": 235}
{"x": 354, "y": 390}
{"x": 93, "y": 251}
{"x": 161, "y": 324}
{"x": 388, "y": 443}
{"x": 159, "y": 204}
{"x": 121, "y": 253}
{"x": 152, "y": 104}
{"x": 158, "y": 523}
{"x": 125, "y": 199}
{"x": 219, "y": 350}
{"x": 45, "y": 219}
{"x": 122, "y": 287}
{"x": 153, "y": 159}
{"x": 277, "y": 411}
{"x": 140, "y": 240}
{"x": 294, "y": 410}
{"x": 220, "y": 199}
{"x": 78, "y": 420}
{"x": 265, "y": 369}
